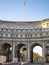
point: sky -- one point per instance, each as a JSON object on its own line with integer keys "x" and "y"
{"x": 17, "y": 10}
{"x": 38, "y": 49}
{"x": 24, "y": 10}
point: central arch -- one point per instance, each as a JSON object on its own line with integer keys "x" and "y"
{"x": 18, "y": 49}
{"x": 32, "y": 53}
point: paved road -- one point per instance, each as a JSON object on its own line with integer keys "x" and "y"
{"x": 27, "y": 64}
{"x": 34, "y": 64}
{"x": 9, "y": 64}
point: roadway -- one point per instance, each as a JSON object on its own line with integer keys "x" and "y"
{"x": 26, "y": 64}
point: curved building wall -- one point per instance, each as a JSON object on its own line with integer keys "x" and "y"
{"x": 24, "y": 29}
{"x": 27, "y": 33}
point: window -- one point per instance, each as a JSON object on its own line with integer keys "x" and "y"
{"x": 31, "y": 35}
{"x": 6, "y": 34}
{"x": 21, "y": 35}
{"x": 1, "y": 34}
{"x": 16, "y": 29}
{"x": 16, "y": 35}
{"x": 47, "y": 33}
{"x": 4, "y": 29}
{"x": 25, "y": 35}
{"x": 35, "y": 34}
{"x": 47, "y": 24}
{"x": 11, "y": 35}
{"x": 47, "y": 47}
{"x": 21, "y": 30}
{"x": 47, "y": 42}
{"x": 1, "y": 29}
{"x": 28, "y": 35}
{"x": 9, "y": 30}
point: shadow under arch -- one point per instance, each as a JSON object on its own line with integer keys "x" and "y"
{"x": 6, "y": 47}
{"x": 47, "y": 55}
{"x": 18, "y": 47}
{"x": 31, "y": 51}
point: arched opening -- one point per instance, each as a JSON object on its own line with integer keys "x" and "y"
{"x": 47, "y": 54}
{"x": 36, "y": 53}
{"x": 20, "y": 51}
{"x": 23, "y": 54}
{"x": 7, "y": 51}
{"x": 47, "y": 58}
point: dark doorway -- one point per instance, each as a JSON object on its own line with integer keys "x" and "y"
{"x": 47, "y": 54}
{"x": 7, "y": 52}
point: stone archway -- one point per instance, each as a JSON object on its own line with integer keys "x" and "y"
{"x": 47, "y": 54}
{"x": 23, "y": 53}
{"x": 31, "y": 50}
{"x": 17, "y": 50}
{"x": 7, "y": 51}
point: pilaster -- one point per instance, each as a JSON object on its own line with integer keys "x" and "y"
{"x": 28, "y": 52}
{"x": 43, "y": 52}
{"x": 13, "y": 51}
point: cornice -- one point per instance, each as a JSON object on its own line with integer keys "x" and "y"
{"x": 4, "y": 21}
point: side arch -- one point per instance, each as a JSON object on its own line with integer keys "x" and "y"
{"x": 6, "y": 51}
{"x": 31, "y": 50}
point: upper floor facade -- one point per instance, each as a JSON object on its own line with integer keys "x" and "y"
{"x": 26, "y": 29}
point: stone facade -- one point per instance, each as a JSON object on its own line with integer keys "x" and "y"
{"x": 17, "y": 35}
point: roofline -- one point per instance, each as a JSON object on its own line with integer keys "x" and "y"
{"x": 24, "y": 21}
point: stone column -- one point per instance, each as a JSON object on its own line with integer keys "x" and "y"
{"x": 43, "y": 52}
{"x": 28, "y": 52}
{"x": 13, "y": 51}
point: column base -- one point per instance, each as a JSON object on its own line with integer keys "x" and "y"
{"x": 15, "y": 59}
{"x": 44, "y": 60}
{"x": 28, "y": 60}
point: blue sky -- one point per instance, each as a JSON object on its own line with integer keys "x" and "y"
{"x": 38, "y": 49}
{"x": 15, "y": 10}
